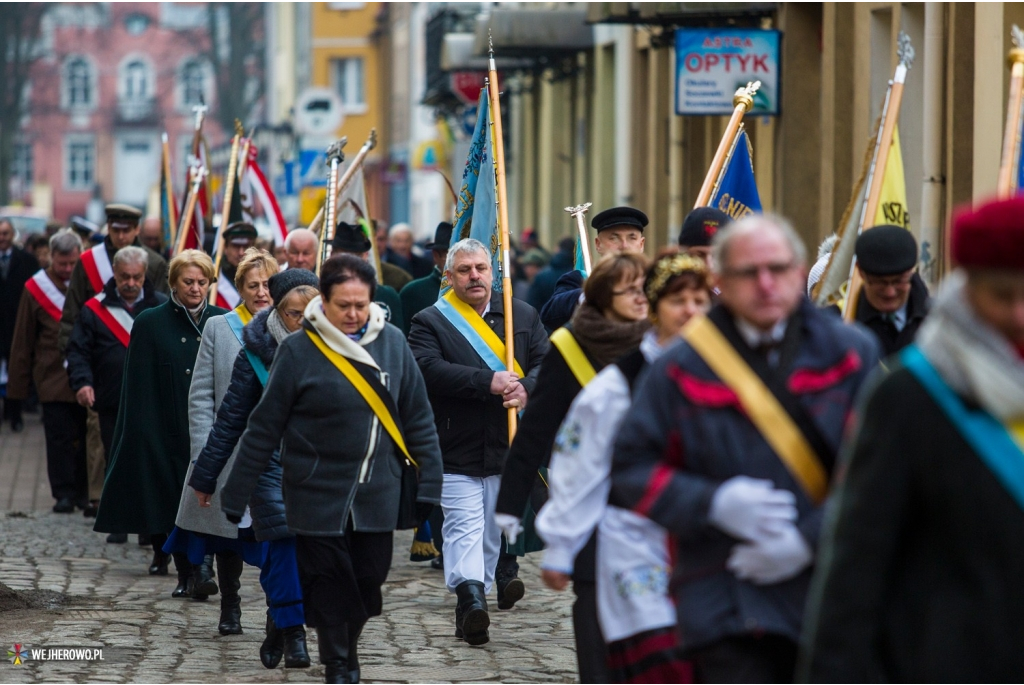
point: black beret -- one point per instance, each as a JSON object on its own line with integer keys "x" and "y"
{"x": 701, "y": 225}
{"x": 442, "y": 237}
{"x": 350, "y": 238}
{"x": 886, "y": 250}
{"x": 283, "y": 282}
{"x": 240, "y": 230}
{"x": 619, "y": 216}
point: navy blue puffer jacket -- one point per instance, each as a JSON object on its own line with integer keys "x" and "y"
{"x": 243, "y": 394}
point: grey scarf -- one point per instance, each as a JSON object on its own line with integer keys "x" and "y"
{"x": 276, "y": 327}
{"x": 977, "y": 361}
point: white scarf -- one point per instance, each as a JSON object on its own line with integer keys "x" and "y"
{"x": 977, "y": 361}
{"x": 338, "y": 341}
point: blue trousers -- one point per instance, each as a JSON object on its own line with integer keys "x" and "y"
{"x": 280, "y": 580}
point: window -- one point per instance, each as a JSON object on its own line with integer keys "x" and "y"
{"x": 136, "y": 80}
{"x": 21, "y": 164}
{"x": 80, "y": 163}
{"x": 193, "y": 83}
{"x": 78, "y": 83}
{"x": 348, "y": 83}
{"x": 136, "y": 24}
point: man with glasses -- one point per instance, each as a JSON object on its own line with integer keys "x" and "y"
{"x": 894, "y": 300}
{"x": 730, "y": 444}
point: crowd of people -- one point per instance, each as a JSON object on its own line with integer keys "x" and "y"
{"x": 738, "y": 485}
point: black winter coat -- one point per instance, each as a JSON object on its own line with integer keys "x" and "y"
{"x": 22, "y": 266}
{"x": 919, "y": 577}
{"x": 95, "y": 355}
{"x": 560, "y": 307}
{"x": 472, "y": 424}
{"x": 893, "y": 341}
{"x": 266, "y": 504}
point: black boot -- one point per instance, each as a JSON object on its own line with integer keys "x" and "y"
{"x": 333, "y": 642}
{"x": 295, "y": 654}
{"x": 229, "y": 568}
{"x": 205, "y": 583}
{"x": 184, "y": 568}
{"x": 272, "y": 648}
{"x": 471, "y": 619}
{"x": 354, "y": 631}
{"x": 506, "y": 578}
{"x": 159, "y": 565}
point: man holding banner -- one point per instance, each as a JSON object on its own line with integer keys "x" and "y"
{"x": 460, "y": 348}
{"x": 729, "y": 446}
{"x": 920, "y": 579}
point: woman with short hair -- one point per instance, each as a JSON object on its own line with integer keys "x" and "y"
{"x": 149, "y": 453}
{"x": 347, "y": 406}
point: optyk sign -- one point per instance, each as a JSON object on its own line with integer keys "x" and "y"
{"x": 712, "y": 63}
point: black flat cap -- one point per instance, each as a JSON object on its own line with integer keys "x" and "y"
{"x": 240, "y": 230}
{"x": 350, "y": 238}
{"x": 701, "y": 225}
{"x": 619, "y": 217}
{"x": 442, "y": 237}
{"x": 886, "y": 250}
{"x": 123, "y": 212}
{"x": 283, "y": 282}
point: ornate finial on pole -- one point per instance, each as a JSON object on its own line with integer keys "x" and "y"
{"x": 336, "y": 151}
{"x": 490, "y": 43}
{"x": 745, "y": 95}
{"x": 1016, "y": 55}
{"x": 579, "y": 209}
{"x": 239, "y": 131}
{"x": 200, "y": 111}
{"x": 904, "y": 50}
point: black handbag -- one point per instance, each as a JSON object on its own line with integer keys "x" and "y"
{"x": 407, "y": 519}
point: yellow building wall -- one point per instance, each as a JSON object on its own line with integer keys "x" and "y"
{"x": 339, "y": 32}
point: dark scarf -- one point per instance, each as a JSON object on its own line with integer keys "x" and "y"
{"x": 605, "y": 340}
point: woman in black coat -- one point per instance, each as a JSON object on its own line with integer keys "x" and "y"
{"x": 291, "y": 291}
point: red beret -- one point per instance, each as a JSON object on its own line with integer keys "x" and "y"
{"x": 990, "y": 235}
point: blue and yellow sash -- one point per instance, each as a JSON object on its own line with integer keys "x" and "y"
{"x": 998, "y": 446}
{"x": 475, "y": 330}
{"x": 237, "y": 319}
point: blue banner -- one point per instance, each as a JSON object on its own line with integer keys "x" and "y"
{"x": 736, "y": 194}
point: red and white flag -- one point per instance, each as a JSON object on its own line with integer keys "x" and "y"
{"x": 227, "y": 296}
{"x": 97, "y": 267}
{"x": 46, "y": 293}
{"x": 254, "y": 186}
{"x": 115, "y": 318}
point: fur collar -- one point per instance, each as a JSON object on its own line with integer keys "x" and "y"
{"x": 257, "y": 337}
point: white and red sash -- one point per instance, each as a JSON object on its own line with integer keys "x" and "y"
{"x": 49, "y": 297}
{"x": 227, "y": 296}
{"x": 116, "y": 319}
{"x": 97, "y": 267}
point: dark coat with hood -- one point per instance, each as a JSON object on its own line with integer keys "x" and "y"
{"x": 96, "y": 356}
{"x": 151, "y": 449}
{"x": 266, "y": 505}
{"x": 686, "y": 434}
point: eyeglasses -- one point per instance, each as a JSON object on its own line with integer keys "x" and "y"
{"x": 292, "y": 314}
{"x": 751, "y": 273}
{"x": 892, "y": 281}
{"x": 632, "y": 292}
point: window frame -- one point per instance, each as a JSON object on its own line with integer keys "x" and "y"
{"x": 338, "y": 69}
{"x": 91, "y": 85}
{"x": 72, "y": 141}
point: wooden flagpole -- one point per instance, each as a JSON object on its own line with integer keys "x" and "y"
{"x": 229, "y": 189}
{"x": 197, "y": 172}
{"x": 1010, "y": 162}
{"x": 893, "y": 99}
{"x": 502, "y": 197}
{"x": 742, "y": 102}
{"x": 578, "y": 213}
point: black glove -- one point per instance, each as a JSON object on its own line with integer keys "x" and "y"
{"x": 423, "y": 512}
{"x": 233, "y": 518}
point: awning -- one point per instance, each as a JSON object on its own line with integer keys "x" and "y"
{"x": 677, "y": 13}
{"x": 457, "y": 55}
{"x": 527, "y": 32}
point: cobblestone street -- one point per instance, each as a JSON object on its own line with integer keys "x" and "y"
{"x": 106, "y": 599}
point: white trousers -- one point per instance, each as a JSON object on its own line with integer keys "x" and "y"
{"x": 472, "y": 540}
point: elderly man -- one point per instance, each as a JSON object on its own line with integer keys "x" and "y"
{"x": 16, "y": 267}
{"x": 894, "y": 300}
{"x": 34, "y": 357}
{"x": 460, "y": 348}
{"x": 920, "y": 579}
{"x": 730, "y": 444}
{"x": 620, "y": 229}
{"x": 423, "y": 292}
{"x": 300, "y": 248}
{"x": 99, "y": 340}
{"x": 238, "y": 237}
{"x": 399, "y": 252}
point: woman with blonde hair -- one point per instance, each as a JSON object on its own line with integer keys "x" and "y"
{"x": 203, "y": 532}
{"x": 149, "y": 452}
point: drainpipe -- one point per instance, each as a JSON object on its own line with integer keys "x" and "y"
{"x": 930, "y": 228}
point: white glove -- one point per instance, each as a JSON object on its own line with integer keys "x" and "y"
{"x": 749, "y": 508}
{"x": 510, "y": 525}
{"x": 772, "y": 558}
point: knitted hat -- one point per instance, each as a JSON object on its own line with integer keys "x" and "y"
{"x": 886, "y": 250}
{"x": 283, "y": 282}
{"x": 990, "y": 236}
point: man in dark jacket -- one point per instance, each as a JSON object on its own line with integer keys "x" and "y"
{"x": 471, "y": 396}
{"x": 921, "y": 563}
{"x": 99, "y": 341}
{"x": 729, "y": 445}
{"x": 423, "y": 292}
{"x": 894, "y": 300}
{"x": 16, "y": 267}
{"x": 543, "y": 286}
{"x": 619, "y": 229}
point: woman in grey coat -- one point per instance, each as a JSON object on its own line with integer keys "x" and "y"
{"x": 202, "y": 530}
{"x": 333, "y": 445}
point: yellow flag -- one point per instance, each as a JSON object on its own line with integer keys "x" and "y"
{"x": 892, "y": 204}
